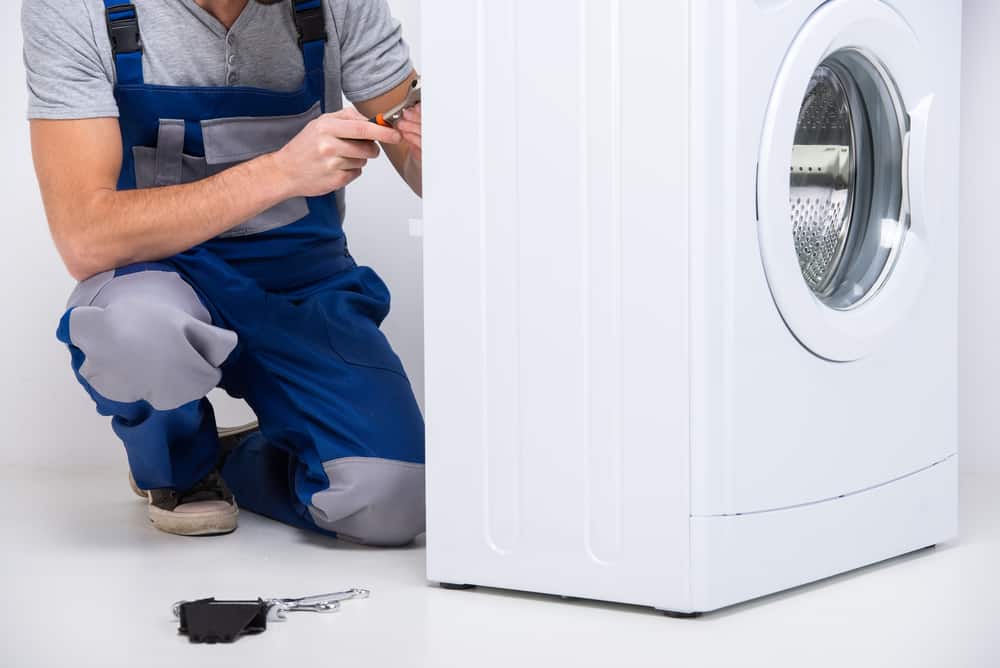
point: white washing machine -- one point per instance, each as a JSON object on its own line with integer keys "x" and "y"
{"x": 691, "y": 273}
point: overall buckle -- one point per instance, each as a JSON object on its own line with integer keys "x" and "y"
{"x": 123, "y": 29}
{"x": 311, "y": 24}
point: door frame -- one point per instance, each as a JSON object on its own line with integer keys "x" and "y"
{"x": 884, "y": 37}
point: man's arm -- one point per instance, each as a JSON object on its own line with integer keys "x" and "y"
{"x": 97, "y": 228}
{"x": 406, "y": 156}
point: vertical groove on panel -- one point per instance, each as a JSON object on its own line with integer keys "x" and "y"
{"x": 517, "y": 446}
{"x": 694, "y": 73}
{"x": 484, "y": 294}
{"x": 618, "y": 250}
{"x": 583, "y": 162}
{"x": 603, "y": 294}
{"x": 484, "y": 390}
{"x": 603, "y": 281}
{"x": 730, "y": 108}
{"x": 502, "y": 454}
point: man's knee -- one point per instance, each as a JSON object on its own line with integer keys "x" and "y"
{"x": 137, "y": 350}
{"x": 372, "y": 501}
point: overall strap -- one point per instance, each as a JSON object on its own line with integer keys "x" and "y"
{"x": 126, "y": 42}
{"x": 311, "y": 24}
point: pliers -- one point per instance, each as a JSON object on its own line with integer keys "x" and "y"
{"x": 389, "y": 118}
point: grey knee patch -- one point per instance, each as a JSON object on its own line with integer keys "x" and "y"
{"x": 147, "y": 337}
{"x": 87, "y": 291}
{"x": 372, "y": 501}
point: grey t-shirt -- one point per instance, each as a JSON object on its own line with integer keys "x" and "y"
{"x": 71, "y": 73}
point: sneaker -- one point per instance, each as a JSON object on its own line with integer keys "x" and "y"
{"x": 207, "y": 509}
{"x": 229, "y": 440}
{"x": 231, "y": 437}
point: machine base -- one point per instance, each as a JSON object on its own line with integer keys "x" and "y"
{"x": 737, "y": 558}
{"x": 454, "y": 586}
{"x": 679, "y": 615}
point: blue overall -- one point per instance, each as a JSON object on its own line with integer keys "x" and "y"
{"x": 276, "y": 312}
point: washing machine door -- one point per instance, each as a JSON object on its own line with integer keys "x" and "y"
{"x": 842, "y": 222}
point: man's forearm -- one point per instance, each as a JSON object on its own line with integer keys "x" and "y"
{"x": 412, "y": 173}
{"x": 98, "y": 228}
{"x": 116, "y": 228}
{"x": 406, "y": 156}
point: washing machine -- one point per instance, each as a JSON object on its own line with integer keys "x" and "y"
{"x": 690, "y": 293}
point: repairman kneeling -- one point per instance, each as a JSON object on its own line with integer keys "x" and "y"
{"x": 193, "y": 178}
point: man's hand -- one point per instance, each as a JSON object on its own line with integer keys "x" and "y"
{"x": 331, "y": 152}
{"x": 405, "y": 155}
{"x": 410, "y": 126}
{"x": 412, "y": 170}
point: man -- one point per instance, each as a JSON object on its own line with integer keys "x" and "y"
{"x": 192, "y": 161}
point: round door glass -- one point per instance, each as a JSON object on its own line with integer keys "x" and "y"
{"x": 847, "y": 206}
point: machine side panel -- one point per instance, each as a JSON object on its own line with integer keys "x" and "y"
{"x": 556, "y": 297}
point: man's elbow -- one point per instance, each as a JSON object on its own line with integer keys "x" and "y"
{"x": 78, "y": 237}
{"x": 79, "y": 255}
{"x": 79, "y": 265}
{"x": 80, "y": 272}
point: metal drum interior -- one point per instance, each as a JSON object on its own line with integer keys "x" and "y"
{"x": 848, "y": 212}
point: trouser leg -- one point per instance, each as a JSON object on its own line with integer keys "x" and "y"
{"x": 262, "y": 477}
{"x": 342, "y": 435}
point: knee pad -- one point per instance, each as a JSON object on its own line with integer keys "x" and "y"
{"x": 135, "y": 350}
{"x": 372, "y": 501}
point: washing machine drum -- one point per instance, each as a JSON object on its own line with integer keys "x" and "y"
{"x": 846, "y": 186}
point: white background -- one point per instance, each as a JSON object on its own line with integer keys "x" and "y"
{"x": 47, "y": 420}
{"x": 979, "y": 301}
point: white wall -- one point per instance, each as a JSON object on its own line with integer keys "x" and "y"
{"x": 44, "y": 418}
{"x": 47, "y": 420}
{"x": 379, "y": 210}
{"x": 979, "y": 304}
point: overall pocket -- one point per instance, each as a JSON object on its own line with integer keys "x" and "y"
{"x": 228, "y": 141}
{"x": 353, "y": 312}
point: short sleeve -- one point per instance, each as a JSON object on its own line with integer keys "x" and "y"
{"x": 374, "y": 57}
{"x": 66, "y": 76}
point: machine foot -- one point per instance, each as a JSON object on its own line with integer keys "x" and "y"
{"x": 680, "y": 615}
{"x": 452, "y": 585}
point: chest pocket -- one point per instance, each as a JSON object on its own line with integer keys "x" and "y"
{"x": 228, "y": 142}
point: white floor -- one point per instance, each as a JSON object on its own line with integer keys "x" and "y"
{"x": 86, "y": 582}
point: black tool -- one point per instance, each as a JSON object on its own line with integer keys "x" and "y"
{"x": 209, "y": 620}
{"x": 212, "y": 621}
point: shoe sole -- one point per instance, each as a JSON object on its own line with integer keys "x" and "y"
{"x": 135, "y": 488}
{"x": 214, "y": 523}
{"x": 226, "y": 433}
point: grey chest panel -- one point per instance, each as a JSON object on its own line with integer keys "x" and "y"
{"x": 228, "y": 142}
{"x": 232, "y": 140}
